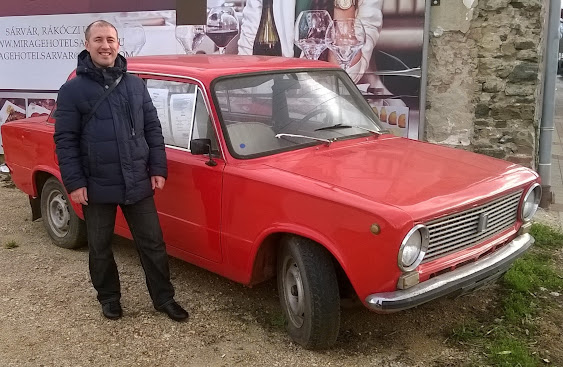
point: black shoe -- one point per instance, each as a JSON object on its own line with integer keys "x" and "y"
{"x": 174, "y": 311}
{"x": 112, "y": 310}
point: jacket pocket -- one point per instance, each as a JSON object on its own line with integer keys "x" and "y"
{"x": 129, "y": 116}
{"x": 145, "y": 145}
{"x": 139, "y": 148}
{"x": 91, "y": 161}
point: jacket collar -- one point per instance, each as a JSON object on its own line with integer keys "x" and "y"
{"x": 102, "y": 75}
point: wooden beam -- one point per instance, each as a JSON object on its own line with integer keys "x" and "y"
{"x": 191, "y": 12}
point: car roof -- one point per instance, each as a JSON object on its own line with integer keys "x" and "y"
{"x": 208, "y": 67}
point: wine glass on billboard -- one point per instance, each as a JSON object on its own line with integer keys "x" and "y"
{"x": 310, "y": 32}
{"x": 133, "y": 36}
{"x": 345, "y": 38}
{"x": 222, "y": 26}
{"x": 190, "y": 37}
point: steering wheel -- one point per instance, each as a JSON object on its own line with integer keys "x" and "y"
{"x": 318, "y": 111}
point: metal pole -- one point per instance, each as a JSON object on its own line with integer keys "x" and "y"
{"x": 424, "y": 78}
{"x": 548, "y": 103}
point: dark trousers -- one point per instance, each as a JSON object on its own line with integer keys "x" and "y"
{"x": 143, "y": 222}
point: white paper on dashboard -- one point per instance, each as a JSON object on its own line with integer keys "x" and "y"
{"x": 181, "y": 117}
{"x": 160, "y": 101}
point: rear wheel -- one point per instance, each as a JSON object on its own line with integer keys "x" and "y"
{"x": 308, "y": 291}
{"x": 64, "y": 227}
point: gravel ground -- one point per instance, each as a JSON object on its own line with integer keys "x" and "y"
{"x": 49, "y": 315}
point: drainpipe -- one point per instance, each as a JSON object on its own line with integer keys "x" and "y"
{"x": 548, "y": 102}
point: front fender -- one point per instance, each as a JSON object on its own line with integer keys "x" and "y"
{"x": 369, "y": 264}
{"x": 292, "y": 229}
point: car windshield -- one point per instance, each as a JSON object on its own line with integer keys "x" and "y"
{"x": 262, "y": 114}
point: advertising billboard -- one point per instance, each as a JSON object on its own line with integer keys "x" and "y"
{"x": 384, "y": 58}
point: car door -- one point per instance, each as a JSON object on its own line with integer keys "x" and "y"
{"x": 189, "y": 206}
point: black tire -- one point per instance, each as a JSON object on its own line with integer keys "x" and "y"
{"x": 308, "y": 291}
{"x": 64, "y": 227}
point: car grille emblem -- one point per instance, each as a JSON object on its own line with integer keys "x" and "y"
{"x": 483, "y": 221}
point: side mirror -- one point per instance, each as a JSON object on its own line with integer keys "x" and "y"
{"x": 200, "y": 146}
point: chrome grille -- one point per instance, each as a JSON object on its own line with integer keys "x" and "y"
{"x": 461, "y": 230}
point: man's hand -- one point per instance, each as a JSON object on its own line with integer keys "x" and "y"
{"x": 157, "y": 182}
{"x": 80, "y": 196}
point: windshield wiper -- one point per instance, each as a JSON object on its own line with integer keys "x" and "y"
{"x": 343, "y": 126}
{"x": 303, "y": 136}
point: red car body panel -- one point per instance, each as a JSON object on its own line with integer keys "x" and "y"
{"x": 220, "y": 217}
{"x": 419, "y": 178}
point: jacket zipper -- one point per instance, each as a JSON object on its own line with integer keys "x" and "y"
{"x": 131, "y": 121}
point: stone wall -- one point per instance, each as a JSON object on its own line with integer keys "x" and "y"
{"x": 484, "y": 77}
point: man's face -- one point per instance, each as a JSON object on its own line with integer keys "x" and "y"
{"x": 103, "y": 46}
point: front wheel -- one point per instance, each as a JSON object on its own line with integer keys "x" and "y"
{"x": 308, "y": 291}
{"x": 64, "y": 227}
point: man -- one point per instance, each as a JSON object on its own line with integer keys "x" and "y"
{"x": 117, "y": 157}
{"x": 286, "y": 12}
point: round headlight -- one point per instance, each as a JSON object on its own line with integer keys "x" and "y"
{"x": 531, "y": 202}
{"x": 413, "y": 248}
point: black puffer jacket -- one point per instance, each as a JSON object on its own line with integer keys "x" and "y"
{"x": 115, "y": 153}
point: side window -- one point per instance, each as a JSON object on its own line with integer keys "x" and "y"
{"x": 175, "y": 104}
{"x": 203, "y": 128}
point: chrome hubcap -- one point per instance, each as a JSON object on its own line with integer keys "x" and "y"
{"x": 58, "y": 213}
{"x": 293, "y": 291}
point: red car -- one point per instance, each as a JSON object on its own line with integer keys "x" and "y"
{"x": 278, "y": 167}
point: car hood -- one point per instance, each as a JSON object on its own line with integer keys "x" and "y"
{"x": 425, "y": 180}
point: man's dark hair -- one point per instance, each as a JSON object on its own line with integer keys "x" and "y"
{"x": 98, "y": 23}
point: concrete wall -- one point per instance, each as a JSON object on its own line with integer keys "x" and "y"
{"x": 484, "y": 78}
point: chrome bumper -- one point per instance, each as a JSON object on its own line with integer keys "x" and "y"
{"x": 461, "y": 280}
